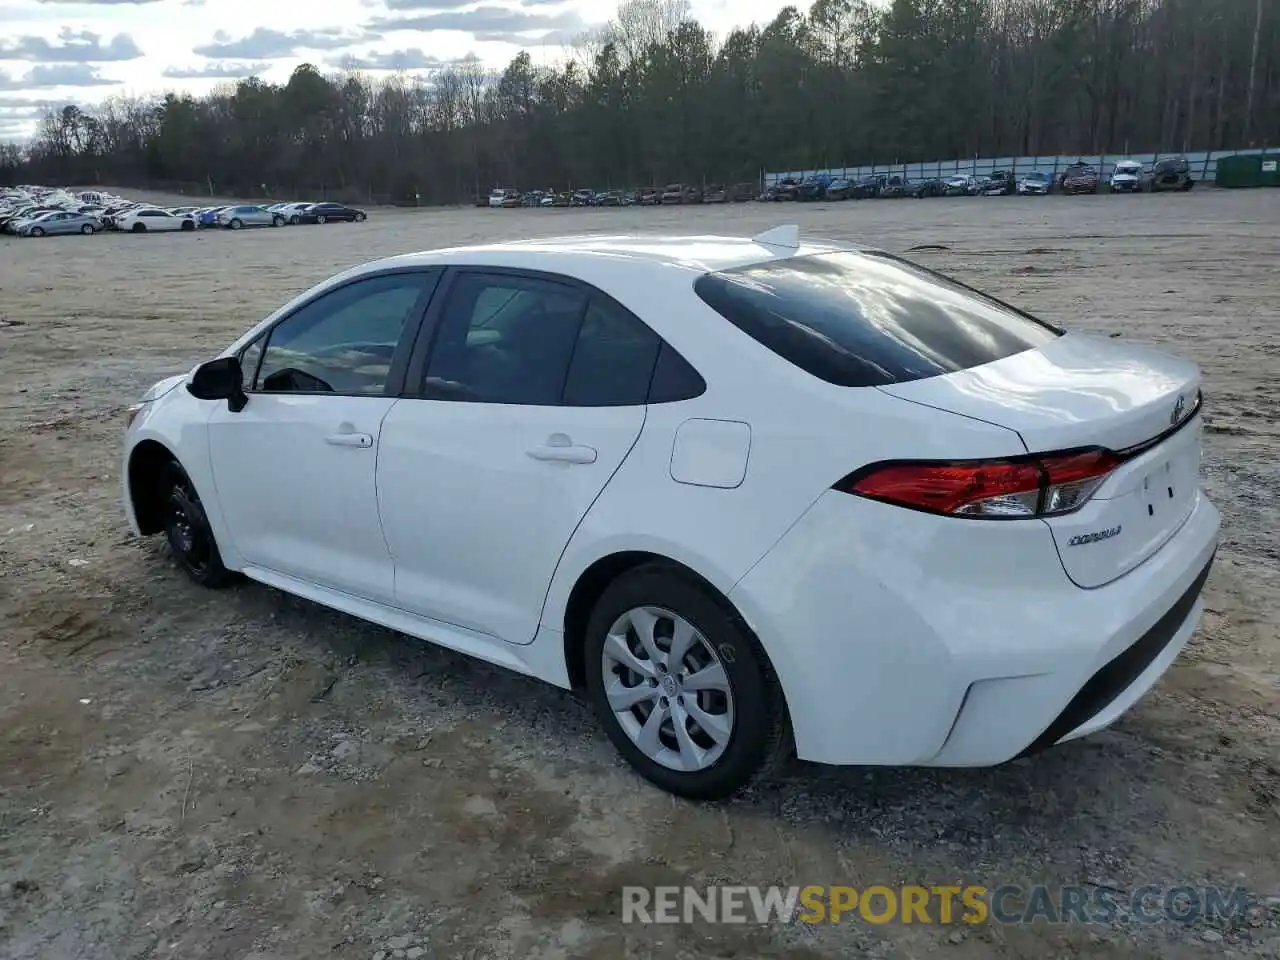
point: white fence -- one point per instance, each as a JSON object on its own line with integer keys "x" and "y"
{"x": 1204, "y": 166}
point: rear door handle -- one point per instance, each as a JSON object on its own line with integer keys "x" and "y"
{"x": 349, "y": 440}
{"x": 560, "y": 449}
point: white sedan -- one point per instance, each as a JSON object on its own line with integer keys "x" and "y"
{"x": 754, "y": 496}
{"x": 150, "y": 220}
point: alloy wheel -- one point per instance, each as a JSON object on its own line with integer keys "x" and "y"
{"x": 185, "y": 528}
{"x": 668, "y": 689}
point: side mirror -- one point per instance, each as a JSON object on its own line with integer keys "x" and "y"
{"x": 219, "y": 380}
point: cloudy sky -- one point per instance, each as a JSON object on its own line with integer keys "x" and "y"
{"x": 82, "y": 51}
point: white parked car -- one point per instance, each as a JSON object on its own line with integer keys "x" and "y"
{"x": 751, "y": 495}
{"x": 151, "y": 220}
{"x": 293, "y": 211}
{"x": 1126, "y": 177}
{"x": 1035, "y": 184}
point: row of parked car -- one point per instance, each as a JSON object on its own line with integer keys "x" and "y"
{"x": 41, "y": 211}
{"x": 1127, "y": 176}
{"x": 507, "y": 197}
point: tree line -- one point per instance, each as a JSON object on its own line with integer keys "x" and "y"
{"x": 654, "y": 97}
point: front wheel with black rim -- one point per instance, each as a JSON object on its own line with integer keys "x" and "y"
{"x": 681, "y": 685}
{"x": 187, "y": 530}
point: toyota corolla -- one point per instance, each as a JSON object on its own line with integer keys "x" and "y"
{"x": 754, "y": 497}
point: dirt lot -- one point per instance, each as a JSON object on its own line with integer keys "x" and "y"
{"x": 245, "y": 775}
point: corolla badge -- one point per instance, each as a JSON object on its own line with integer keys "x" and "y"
{"x": 1083, "y": 538}
{"x": 1178, "y": 409}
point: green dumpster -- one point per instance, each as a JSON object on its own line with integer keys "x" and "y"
{"x": 1249, "y": 170}
{"x": 1271, "y": 169}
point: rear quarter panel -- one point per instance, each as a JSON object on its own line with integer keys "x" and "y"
{"x": 805, "y": 436}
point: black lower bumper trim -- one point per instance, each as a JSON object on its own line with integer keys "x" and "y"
{"x": 1118, "y": 674}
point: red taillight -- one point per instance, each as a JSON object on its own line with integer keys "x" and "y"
{"x": 1072, "y": 478}
{"x": 954, "y": 488}
{"x": 1005, "y": 489}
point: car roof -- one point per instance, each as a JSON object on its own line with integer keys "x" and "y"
{"x": 629, "y": 267}
{"x": 588, "y": 254}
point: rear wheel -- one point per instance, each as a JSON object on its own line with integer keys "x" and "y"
{"x": 682, "y": 686}
{"x": 294, "y": 220}
{"x": 188, "y": 225}
{"x": 320, "y": 219}
{"x": 188, "y": 532}
{"x": 87, "y": 229}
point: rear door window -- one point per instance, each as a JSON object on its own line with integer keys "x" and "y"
{"x": 505, "y": 338}
{"x": 860, "y": 319}
{"x": 613, "y": 359}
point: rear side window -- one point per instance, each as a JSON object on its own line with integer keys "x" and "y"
{"x": 613, "y": 359}
{"x": 674, "y": 378}
{"x": 867, "y": 319}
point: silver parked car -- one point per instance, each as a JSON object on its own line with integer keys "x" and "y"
{"x": 234, "y": 218}
{"x": 49, "y": 224}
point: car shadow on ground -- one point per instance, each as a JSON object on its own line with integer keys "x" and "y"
{"x": 1044, "y": 808}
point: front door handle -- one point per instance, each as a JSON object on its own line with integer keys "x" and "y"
{"x": 560, "y": 449}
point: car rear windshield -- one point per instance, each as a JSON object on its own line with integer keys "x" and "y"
{"x": 861, "y": 319}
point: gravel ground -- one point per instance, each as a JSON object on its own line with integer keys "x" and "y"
{"x": 245, "y": 775}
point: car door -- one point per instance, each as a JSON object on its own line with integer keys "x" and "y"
{"x": 294, "y": 469}
{"x": 532, "y": 397}
{"x": 156, "y": 220}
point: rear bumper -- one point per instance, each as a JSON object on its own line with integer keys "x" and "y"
{"x": 1124, "y": 679}
{"x": 904, "y": 638}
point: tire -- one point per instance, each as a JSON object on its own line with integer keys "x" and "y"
{"x": 187, "y": 226}
{"x": 87, "y": 229}
{"x": 187, "y": 530}
{"x": 139, "y": 228}
{"x": 320, "y": 218}
{"x": 277, "y": 221}
{"x": 753, "y": 741}
{"x": 294, "y": 220}
{"x": 360, "y": 218}
{"x": 36, "y": 232}
{"x": 236, "y": 224}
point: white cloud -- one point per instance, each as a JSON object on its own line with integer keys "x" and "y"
{"x": 216, "y": 70}
{"x": 267, "y": 44}
{"x": 71, "y": 46}
{"x": 47, "y": 76}
{"x": 192, "y": 45}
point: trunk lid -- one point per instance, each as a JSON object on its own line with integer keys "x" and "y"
{"x": 1084, "y": 391}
